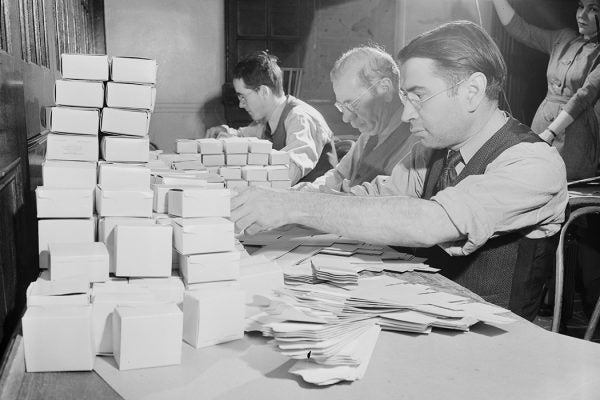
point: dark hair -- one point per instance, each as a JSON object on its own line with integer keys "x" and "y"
{"x": 260, "y": 68}
{"x": 460, "y": 49}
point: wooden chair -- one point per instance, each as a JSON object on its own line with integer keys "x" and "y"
{"x": 292, "y": 80}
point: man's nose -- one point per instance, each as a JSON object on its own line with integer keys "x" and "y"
{"x": 347, "y": 116}
{"x": 409, "y": 112}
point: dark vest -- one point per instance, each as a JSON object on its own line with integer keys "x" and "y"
{"x": 508, "y": 270}
{"x": 327, "y": 159}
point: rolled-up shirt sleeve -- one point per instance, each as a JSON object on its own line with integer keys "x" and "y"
{"x": 303, "y": 144}
{"x": 523, "y": 189}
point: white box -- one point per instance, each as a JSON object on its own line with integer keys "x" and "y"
{"x": 125, "y": 122}
{"x": 210, "y": 146}
{"x": 186, "y": 146}
{"x": 79, "y": 260}
{"x": 64, "y": 202}
{"x": 169, "y": 158}
{"x": 260, "y": 183}
{"x": 147, "y": 336}
{"x": 63, "y": 231}
{"x": 84, "y": 66}
{"x": 232, "y": 183}
{"x": 120, "y": 202}
{"x": 161, "y": 200}
{"x": 119, "y": 175}
{"x": 236, "y": 159}
{"x": 168, "y": 290}
{"x": 199, "y": 202}
{"x": 188, "y": 165}
{"x": 254, "y": 173}
{"x": 79, "y": 121}
{"x": 180, "y": 179}
{"x": 213, "y": 316}
{"x": 69, "y": 174}
{"x": 258, "y": 159}
{"x": 213, "y": 160}
{"x": 261, "y": 146}
{"x": 279, "y": 157}
{"x": 210, "y": 267}
{"x": 281, "y": 184}
{"x": 133, "y": 69}
{"x": 202, "y": 235}
{"x": 73, "y": 292}
{"x": 231, "y": 173}
{"x": 235, "y": 145}
{"x": 79, "y": 93}
{"x": 125, "y": 149}
{"x": 278, "y": 173}
{"x": 58, "y": 338}
{"x": 72, "y": 147}
{"x": 259, "y": 276}
{"x": 107, "y": 224}
{"x": 143, "y": 251}
{"x": 130, "y": 95}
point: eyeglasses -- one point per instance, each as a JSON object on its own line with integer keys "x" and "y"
{"x": 352, "y": 106}
{"x": 242, "y": 96}
{"x": 416, "y": 101}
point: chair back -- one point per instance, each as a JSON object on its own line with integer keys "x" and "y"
{"x": 292, "y": 80}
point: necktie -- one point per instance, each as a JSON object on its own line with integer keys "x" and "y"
{"x": 448, "y": 176}
{"x": 371, "y": 144}
{"x": 267, "y": 132}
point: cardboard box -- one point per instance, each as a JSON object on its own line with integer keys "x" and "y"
{"x": 133, "y": 70}
{"x": 143, "y": 251}
{"x": 235, "y": 145}
{"x": 213, "y": 160}
{"x": 260, "y": 183}
{"x": 125, "y": 149}
{"x": 72, "y": 147}
{"x": 233, "y": 184}
{"x": 120, "y": 175}
{"x": 260, "y": 146}
{"x": 64, "y": 202}
{"x": 202, "y": 235}
{"x": 161, "y": 200}
{"x": 130, "y": 95}
{"x": 58, "y": 338}
{"x": 125, "y": 122}
{"x": 258, "y": 159}
{"x": 196, "y": 268}
{"x": 188, "y": 166}
{"x": 66, "y": 292}
{"x": 63, "y": 231}
{"x": 254, "y": 173}
{"x": 281, "y": 184}
{"x": 79, "y": 93}
{"x": 147, "y": 336}
{"x": 78, "y": 121}
{"x": 210, "y": 146}
{"x": 79, "y": 260}
{"x": 278, "y": 173}
{"x": 236, "y": 159}
{"x": 169, "y": 178}
{"x": 231, "y": 173}
{"x": 107, "y": 224}
{"x": 84, "y": 66}
{"x": 199, "y": 202}
{"x": 120, "y": 202}
{"x": 186, "y": 146}
{"x": 279, "y": 157}
{"x": 69, "y": 174}
{"x": 169, "y": 158}
{"x": 213, "y": 316}
{"x": 167, "y": 290}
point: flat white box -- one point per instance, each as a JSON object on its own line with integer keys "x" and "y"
{"x": 78, "y": 121}
{"x": 210, "y": 267}
{"x": 54, "y": 202}
{"x": 210, "y": 146}
{"x": 69, "y": 174}
{"x": 125, "y": 122}
{"x": 231, "y": 173}
{"x": 161, "y": 199}
{"x": 125, "y": 149}
{"x": 79, "y": 260}
{"x": 130, "y": 95}
{"x": 213, "y": 170}
{"x": 259, "y": 183}
{"x": 232, "y": 183}
{"x": 120, "y": 175}
{"x": 254, "y": 173}
{"x": 143, "y": 251}
{"x": 133, "y": 70}
{"x": 213, "y": 316}
{"x": 258, "y": 159}
{"x": 281, "y": 184}
{"x": 184, "y": 146}
{"x": 121, "y": 202}
{"x": 199, "y": 202}
{"x": 168, "y": 290}
{"x": 156, "y": 165}
{"x": 147, "y": 336}
{"x": 72, "y": 147}
{"x": 279, "y": 157}
{"x": 235, "y": 145}
{"x": 79, "y": 93}
{"x": 188, "y": 165}
{"x": 83, "y": 66}
{"x": 63, "y": 231}
{"x": 236, "y": 159}
{"x": 213, "y": 160}
{"x": 58, "y": 338}
{"x": 202, "y": 235}
{"x": 261, "y": 146}
{"x": 73, "y": 292}
{"x": 259, "y": 276}
{"x": 180, "y": 179}
{"x": 278, "y": 173}
{"x": 171, "y": 157}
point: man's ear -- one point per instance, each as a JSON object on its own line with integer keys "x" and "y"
{"x": 264, "y": 91}
{"x": 475, "y": 87}
{"x": 385, "y": 88}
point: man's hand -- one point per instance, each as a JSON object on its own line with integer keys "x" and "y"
{"x": 257, "y": 209}
{"x": 220, "y": 131}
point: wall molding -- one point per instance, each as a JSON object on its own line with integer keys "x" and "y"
{"x": 188, "y": 108}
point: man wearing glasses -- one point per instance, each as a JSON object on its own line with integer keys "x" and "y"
{"x": 494, "y": 195}
{"x": 291, "y": 124}
{"x": 365, "y": 83}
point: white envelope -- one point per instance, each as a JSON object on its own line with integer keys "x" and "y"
{"x": 120, "y": 175}
{"x": 79, "y": 260}
{"x": 93, "y": 67}
{"x": 79, "y": 93}
{"x": 125, "y": 149}
{"x": 63, "y": 231}
{"x": 130, "y": 95}
{"x": 199, "y": 202}
{"x": 72, "y": 147}
{"x": 125, "y": 122}
{"x": 121, "y": 202}
{"x": 133, "y": 70}
{"x": 143, "y": 251}
{"x": 69, "y": 174}
{"x": 64, "y": 202}
{"x": 203, "y": 235}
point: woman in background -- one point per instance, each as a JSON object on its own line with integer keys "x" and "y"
{"x": 566, "y": 118}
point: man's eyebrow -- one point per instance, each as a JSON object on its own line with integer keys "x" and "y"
{"x": 414, "y": 88}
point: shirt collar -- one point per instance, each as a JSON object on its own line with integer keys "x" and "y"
{"x": 273, "y": 120}
{"x": 476, "y": 142}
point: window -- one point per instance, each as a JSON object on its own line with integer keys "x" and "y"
{"x": 5, "y": 43}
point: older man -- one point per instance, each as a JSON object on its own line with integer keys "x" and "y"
{"x": 495, "y": 193}
{"x": 365, "y": 83}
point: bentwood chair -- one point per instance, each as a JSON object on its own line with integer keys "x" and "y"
{"x": 292, "y": 80}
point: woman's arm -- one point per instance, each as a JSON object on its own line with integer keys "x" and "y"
{"x": 557, "y": 127}
{"x": 504, "y": 10}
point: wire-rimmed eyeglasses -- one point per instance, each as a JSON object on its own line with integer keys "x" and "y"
{"x": 352, "y": 106}
{"x": 416, "y": 101}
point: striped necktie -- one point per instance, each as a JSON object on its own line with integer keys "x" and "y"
{"x": 448, "y": 176}
{"x": 267, "y": 132}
